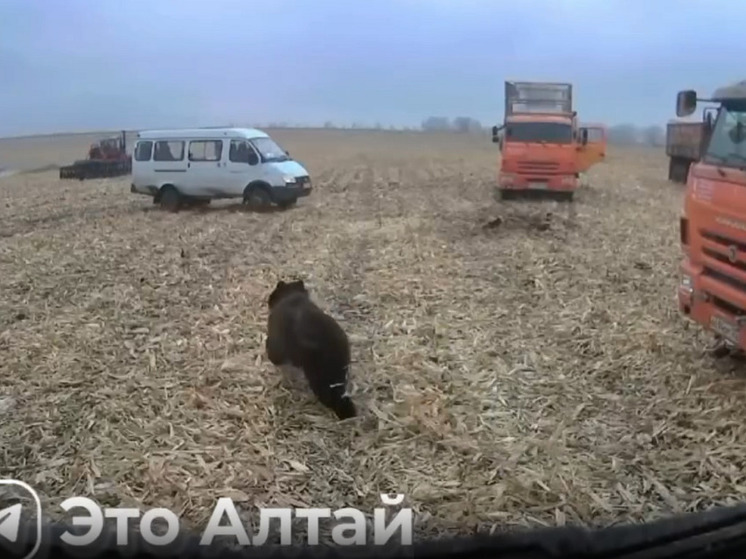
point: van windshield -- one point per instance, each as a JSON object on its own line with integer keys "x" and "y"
{"x": 269, "y": 150}
{"x": 727, "y": 145}
{"x": 549, "y": 132}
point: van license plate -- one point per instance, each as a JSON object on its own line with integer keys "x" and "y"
{"x": 538, "y": 185}
{"x": 726, "y": 328}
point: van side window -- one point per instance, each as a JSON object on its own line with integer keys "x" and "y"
{"x": 172, "y": 150}
{"x": 242, "y": 152}
{"x": 144, "y": 150}
{"x": 205, "y": 150}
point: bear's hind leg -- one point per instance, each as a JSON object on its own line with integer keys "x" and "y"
{"x": 275, "y": 352}
{"x": 332, "y": 395}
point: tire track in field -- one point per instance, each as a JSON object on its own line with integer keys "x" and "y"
{"x": 348, "y": 252}
{"x": 440, "y": 194}
{"x": 351, "y": 249}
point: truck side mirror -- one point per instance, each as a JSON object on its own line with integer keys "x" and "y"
{"x": 708, "y": 118}
{"x": 686, "y": 102}
{"x": 583, "y": 136}
{"x": 495, "y": 135}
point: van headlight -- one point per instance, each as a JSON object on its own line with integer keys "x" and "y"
{"x": 289, "y": 180}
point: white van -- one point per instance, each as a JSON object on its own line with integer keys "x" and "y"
{"x": 198, "y": 165}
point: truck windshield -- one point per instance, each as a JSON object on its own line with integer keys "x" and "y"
{"x": 269, "y": 150}
{"x": 727, "y": 145}
{"x": 550, "y": 132}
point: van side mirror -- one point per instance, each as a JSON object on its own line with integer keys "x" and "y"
{"x": 495, "y": 135}
{"x": 253, "y": 158}
{"x": 686, "y": 102}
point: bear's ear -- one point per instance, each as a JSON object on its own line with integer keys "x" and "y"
{"x": 298, "y": 284}
{"x": 280, "y": 284}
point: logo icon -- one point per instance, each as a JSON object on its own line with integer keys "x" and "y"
{"x": 17, "y": 531}
{"x": 10, "y": 522}
{"x": 733, "y": 253}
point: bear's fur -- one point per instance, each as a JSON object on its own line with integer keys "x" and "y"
{"x": 301, "y": 334}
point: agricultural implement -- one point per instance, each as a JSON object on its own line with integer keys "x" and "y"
{"x": 107, "y": 158}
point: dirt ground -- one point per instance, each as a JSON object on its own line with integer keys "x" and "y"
{"x": 534, "y": 372}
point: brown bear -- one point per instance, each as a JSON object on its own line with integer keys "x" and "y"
{"x": 301, "y": 334}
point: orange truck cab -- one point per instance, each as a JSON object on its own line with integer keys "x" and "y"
{"x": 712, "y": 286}
{"x": 539, "y": 142}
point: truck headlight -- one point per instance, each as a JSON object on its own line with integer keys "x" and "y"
{"x": 506, "y": 179}
{"x": 289, "y": 180}
{"x": 686, "y": 283}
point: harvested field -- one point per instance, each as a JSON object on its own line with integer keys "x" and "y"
{"x": 532, "y": 372}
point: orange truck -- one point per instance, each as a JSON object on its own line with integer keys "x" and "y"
{"x": 712, "y": 286}
{"x": 684, "y": 144}
{"x": 539, "y": 142}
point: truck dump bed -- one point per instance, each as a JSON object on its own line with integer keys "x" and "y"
{"x": 537, "y": 97}
{"x": 684, "y": 139}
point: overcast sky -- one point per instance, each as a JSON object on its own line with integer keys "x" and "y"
{"x": 91, "y": 65}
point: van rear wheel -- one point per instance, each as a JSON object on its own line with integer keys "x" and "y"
{"x": 170, "y": 199}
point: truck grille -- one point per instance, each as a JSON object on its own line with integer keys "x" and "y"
{"x": 724, "y": 262}
{"x": 541, "y": 167}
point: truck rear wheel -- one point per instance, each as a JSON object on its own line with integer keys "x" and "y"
{"x": 673, "y": 166}
{"x": 678, "y": 169}
{"x": 685, "y": 170}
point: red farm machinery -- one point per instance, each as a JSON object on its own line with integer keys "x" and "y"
{"x": 106, "y": 158}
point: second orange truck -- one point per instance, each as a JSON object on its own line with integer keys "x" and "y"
{"x": 543, "y": 150}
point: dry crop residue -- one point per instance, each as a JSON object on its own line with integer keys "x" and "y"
{"x": 514, "y": 374}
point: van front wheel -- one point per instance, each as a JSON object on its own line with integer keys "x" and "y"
{"x": 257, "y": 197}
